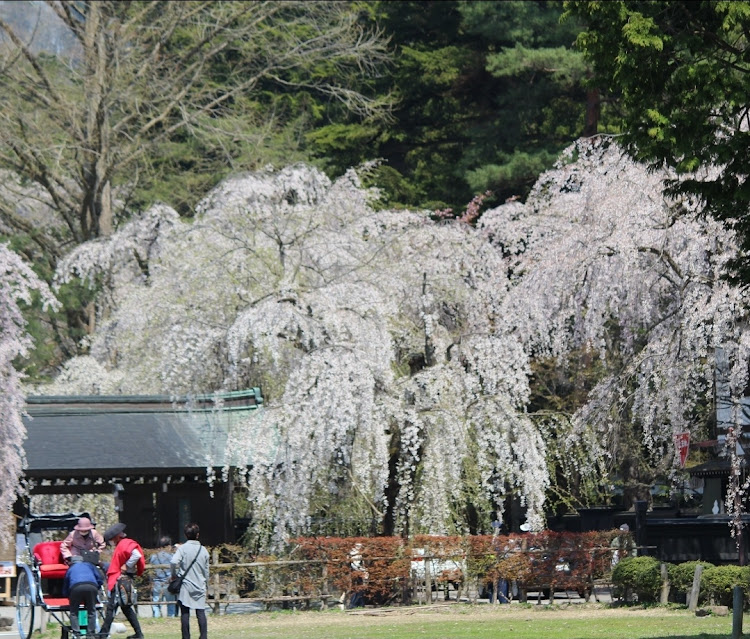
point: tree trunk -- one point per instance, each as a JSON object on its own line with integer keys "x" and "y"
{"x": 593, "y": 111}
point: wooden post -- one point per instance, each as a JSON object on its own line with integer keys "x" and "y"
{"x": 217, "y": 582}
{"x": 523, "y": 594}
{"x": 640, "y": 527}
{"x": 427, "y": 582}
{"x": 738, "y": 601}
{"x": 324, "y": 598}
{"x": 665, "y": 585}
{"x": 695, "y": 591}
{"x": 405, "y": 591}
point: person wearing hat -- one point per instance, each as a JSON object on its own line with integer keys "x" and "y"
{"x": 83, "y": 537}
{"x": 81, "y": 586}
{"x": 623, "y": 545}
{"x": 127, "y": 559}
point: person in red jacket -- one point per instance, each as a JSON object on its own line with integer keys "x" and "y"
{"x": 127, "y": 559}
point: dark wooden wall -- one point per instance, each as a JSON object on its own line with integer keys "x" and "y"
{"x": 150, "y": 512}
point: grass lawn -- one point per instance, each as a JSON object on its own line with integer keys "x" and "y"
{"x": 458, "y": 621}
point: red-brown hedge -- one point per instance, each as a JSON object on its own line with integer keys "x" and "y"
{"x": 380, "y": 567}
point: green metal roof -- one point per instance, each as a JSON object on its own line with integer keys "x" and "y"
{"x": 108, "y": 435}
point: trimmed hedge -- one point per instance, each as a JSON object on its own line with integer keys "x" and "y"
{"x": 529, "y": 559}
{"x": 640, "y": 576}
{"x": 380, "y": 568}
{"x": 721, "y": 580}
{"x": 681, "y": 580}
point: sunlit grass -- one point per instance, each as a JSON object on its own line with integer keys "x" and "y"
{"x": 454, "y": 622}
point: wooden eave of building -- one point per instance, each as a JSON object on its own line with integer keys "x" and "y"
{"x": 714, "y": 468}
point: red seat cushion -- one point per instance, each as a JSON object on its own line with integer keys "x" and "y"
{"x": 50, "y": 560}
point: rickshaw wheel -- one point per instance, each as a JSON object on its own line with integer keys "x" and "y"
{"x": 24, "y": 605}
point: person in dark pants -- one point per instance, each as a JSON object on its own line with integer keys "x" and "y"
{"x": 191, "y": 560}
{"x": 81, "y": 586}
{"x": 128, "y": 560}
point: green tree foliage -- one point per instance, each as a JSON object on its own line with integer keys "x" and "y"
{"x": 680, "y": 72}
{"x": 489, "y": 93}
{"x": 538, "y": 99}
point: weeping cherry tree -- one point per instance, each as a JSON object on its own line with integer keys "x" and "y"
{"x": 603, "y": 262}
{"x": 18, "y": 286}
{"x": 396, "y": 351}
{"x": 392, "y": 376}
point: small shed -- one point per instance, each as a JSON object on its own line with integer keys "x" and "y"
{"x": 715, "y": 476}
{"x": 161, "y": 458}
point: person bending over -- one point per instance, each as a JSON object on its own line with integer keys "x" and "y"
{"x": 81, "y": 586}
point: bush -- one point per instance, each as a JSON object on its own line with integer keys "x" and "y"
{"x": 721, "y": 580}
{"x": 639, "y": 575}
{"x": 681, "y": 579}
{"x": 375, "y": 567}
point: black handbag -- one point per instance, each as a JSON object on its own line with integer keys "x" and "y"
{"x": 173, "y": 587}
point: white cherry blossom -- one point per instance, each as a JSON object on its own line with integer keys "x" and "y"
{"x": 18, "y": 286}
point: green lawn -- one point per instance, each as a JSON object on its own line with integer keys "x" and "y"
{"x": 455, "y": 622}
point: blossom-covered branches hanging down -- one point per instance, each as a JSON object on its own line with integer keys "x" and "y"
{"x": 376, "y": 331}
{"x": 377, "y": 337}
{"x": 18, "y": 284}
{"x": 603, "y": 261}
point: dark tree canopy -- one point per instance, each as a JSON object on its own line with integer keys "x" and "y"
{"x": 488, "y": 94}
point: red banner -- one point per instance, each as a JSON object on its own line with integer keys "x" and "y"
{"x": 682, "y": 445}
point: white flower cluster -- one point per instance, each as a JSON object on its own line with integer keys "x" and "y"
{"x": 607, "y": 264}
{"x": 18, "y": 284}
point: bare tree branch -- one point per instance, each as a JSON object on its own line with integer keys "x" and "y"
{"x": 146, "y": 72}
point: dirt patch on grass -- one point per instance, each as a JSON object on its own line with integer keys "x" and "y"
{"x": 447, "y": 612}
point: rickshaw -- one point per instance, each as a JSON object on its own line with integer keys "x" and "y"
{"x": 41, "y": 570}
